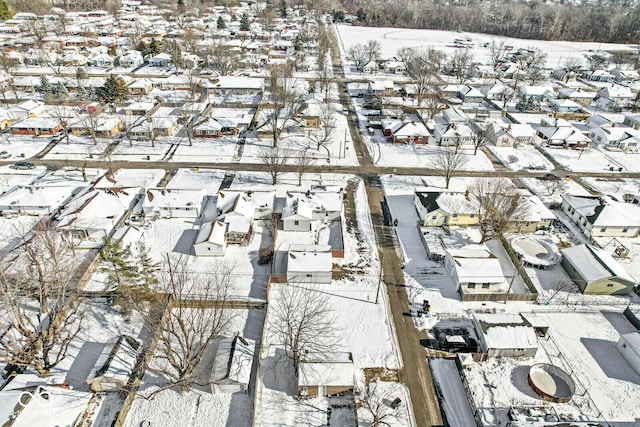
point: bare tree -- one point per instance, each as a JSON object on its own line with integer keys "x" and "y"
{"x": 62, "y": 114}
{"x": 197, "y": 314}
{"x": 302, "y": 163}
{"x": 363, "y": 54}
{"x": 497, "y": 53}
{"x": 448, "y": 161}
{"x": 572, "y": 67}
{"x": 274, "y": 158}
{"x": 39, "y": 301}
{"x": 324, "y": 80}
{"x": 283, "y": 100}
{"x": 174, "y": 50}
{"x": 498, "y": 204}
{"x": 302, "y": 321}
{"x": 376, "y": 400}
{"x": 478, "y": 139}
{"x": 221, "y": 58}
{"x": 462, "y": 66}
{"x": 322, "y": 136}
{"x": 530, "y": 62}
{"x": 92, "y": 122}
{"x": 129, "y": 123}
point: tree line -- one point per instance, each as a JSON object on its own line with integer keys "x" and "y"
{"x": 605, "y": 21}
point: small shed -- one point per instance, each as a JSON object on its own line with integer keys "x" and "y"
{"x": 309, "y": 264}
{"x": 211, "y": 240}
{"x": 629, "y": 346}
{"x": 231, "y": 371}
{"x": 326, "y": 377}
{"x": 505, "y": 335}
{"x": 115, "y": 364}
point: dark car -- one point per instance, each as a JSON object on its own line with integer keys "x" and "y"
{"x": 23, "y": 165}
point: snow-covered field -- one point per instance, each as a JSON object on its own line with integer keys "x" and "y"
{"x": 392, "y": 39}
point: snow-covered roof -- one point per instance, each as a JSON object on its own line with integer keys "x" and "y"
{"x": 212, "y": 232}
{"x": 594, "y": 264}
{"x": 632, "y": 340}
{"x": 117, "y": 360}
{"x": 233, "y": 360}
{"x": 604, "y": 212}
{"x": 26, "y": 197}
{"x": 173, "y": 198}
{"x": 474, "y": 263}
{"x": 339, "y": 372}
{"x": 506, "y": 331}
{"x": 309, "y": 258}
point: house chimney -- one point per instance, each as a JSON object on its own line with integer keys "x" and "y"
{"x": 466, "y": 194}
{"x": 602, "y": 201}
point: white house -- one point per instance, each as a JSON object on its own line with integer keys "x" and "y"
{"x": 309, "y": 264}
{"x": 160, "y": 60}
{"x": 629, "y": 346}
{"x": 602, "y": 216}
{"x": 212, "y": 239}
{"x": 617, "y": 95}
{"x": 505, "y": 335}
{"x": 115, "y": 364}
{"x": 32, "y": 200}
{"x": 173, "y": 203}
{"x": 475, "y": 269}
{"x": 232, "y": 364}
{"x": 304, "y": 208}
{"x": 616, "y": 138}
{"x": 326, "y": 375}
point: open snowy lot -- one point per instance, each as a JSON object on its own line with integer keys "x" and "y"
{"x": 391, "y": 39}
{"x": 524, "y": 157}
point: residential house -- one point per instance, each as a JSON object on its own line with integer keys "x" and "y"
{"x": 394, "y": 67}
{"x": 215, "y": 128}
{"x": 406, "y": 132}
{"x": 302, "y": 209}
{"x": 537, "y": 93}
{"x": 453, "y": 134}
{"x": 577, "y": 95}
{"x": 95, "y": 213}
{"x": 616, "y": 138}
{"x": 632, "y": 120}
{"x": 173, "y": 203}
{"x": 496, "y": 92}
{"x": 232, "y": 365}
{"x": 140, "y": 108}
{"x": 505, "y": 335}
{"x": 103, "y": 125}
{"x": 29, "y": 108}
{"x": 115, "y": 364}
{"x": 625, "y": 76}
{"x": 211, "y": 239}
{"x": 325, "y": 375}
{"x": 438, "y": 208}
{"x": 160, "y": 60}
{"x": 601, "y": 76}
{"x": 309, "y": 264}
{"x": 595, "y": 271}
{"x": 102, "y": 60}
{"x": 470, "y": 94}
{"x": 238, "y": 209}
{"x": 474, "y": 269}
{"x": 34, "y": 200}
{"x": 509, "y": 134}
{"x": 36, "y": 126}
{"x": 235, "y": 85}
{"x": 141, "y": 86}
{"x": 615, "y": 96}
{"x": 602, "y": 216}
{"x": 562, "y": 135}
{"x": 380, "y": 87}
{"x": 130, "y": 59}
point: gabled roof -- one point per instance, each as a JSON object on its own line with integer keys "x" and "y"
{"x": 212, "y": 232}
{"x": 604, "y": 212}
{"x": 594, "y": 264}
{"x": 233, "y": 360}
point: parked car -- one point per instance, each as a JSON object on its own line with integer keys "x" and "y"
{"x": 4, "y": 154}
{"x": 23, "y": 165}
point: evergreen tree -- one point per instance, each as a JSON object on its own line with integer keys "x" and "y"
{"x": 147, "y": 268}
{"x": 114, "y": 89}
{"x": 244, "y": 22}
{"x": 221, "y": 24}
{"x": 44, "y": 88}
{"x": 118, "y": 265}
{"x": 154, "y": 47}
{"x": 5, "y": 11}
{"x": 181, "y": 6}
{"x": 282, "y": 8}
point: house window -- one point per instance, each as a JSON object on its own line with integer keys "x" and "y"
{"x": 625, "y": 229}
{"x": 434, "y": 217}
{"x": 309, "y": 275}
{"x": 455, "y": 215}
{"x": 296, "y": 222}
{"x": 471, "y": 285}
{"x": 485, "y": 286}
{"x": 603, "y": 229}
{"x": 472, "y": 216}
{"x": 609, "y": 285}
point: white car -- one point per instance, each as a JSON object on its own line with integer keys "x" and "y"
{"x": 4, "y": 154}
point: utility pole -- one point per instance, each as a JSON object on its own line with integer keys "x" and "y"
{"x": 379, "y": 276}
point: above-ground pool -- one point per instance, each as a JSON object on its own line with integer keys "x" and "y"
{"x": 535, "y": 250}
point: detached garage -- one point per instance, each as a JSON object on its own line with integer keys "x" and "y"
{"x": 595, "y": 271}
